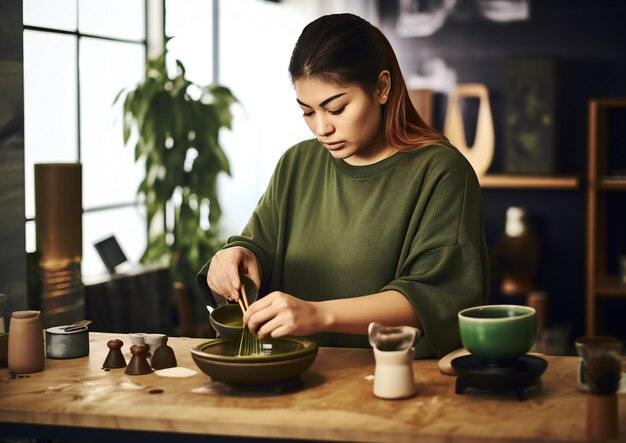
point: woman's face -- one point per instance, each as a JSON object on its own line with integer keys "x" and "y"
{"x": 345, "y": 119}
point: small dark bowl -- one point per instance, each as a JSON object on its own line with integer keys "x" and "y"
{"x": 227, "y": 320}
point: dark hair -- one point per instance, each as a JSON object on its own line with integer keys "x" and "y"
{"x": 345, "y": 49}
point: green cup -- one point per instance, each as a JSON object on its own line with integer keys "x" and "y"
{"x": 498, "y": 332}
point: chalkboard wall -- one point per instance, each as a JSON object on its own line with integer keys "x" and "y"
{"x": 587, "y": 41}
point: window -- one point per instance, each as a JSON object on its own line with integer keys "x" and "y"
{"x": 78, "y": 54}
{"x": 244, "y": 45}
{"x": 268, "y": 121}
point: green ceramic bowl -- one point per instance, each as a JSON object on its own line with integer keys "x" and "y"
{"x": 227, "y": 320}
{"x": 498, "y": 332}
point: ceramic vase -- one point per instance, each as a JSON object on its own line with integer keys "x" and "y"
{"x": 164, "y": 356}
{"x": 393, "y": 376}
{"x": 26, "y": 349}
{"x": 115, "y": 358}
{"x": 138, "y": 364}
{"x": 480, "y": 154}
{"x": 393, "y": 352}
{"x": 516, "y": 256}
{"x": 153, "y": 341}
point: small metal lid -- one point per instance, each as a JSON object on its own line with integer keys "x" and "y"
{"x": 60, "y": 330}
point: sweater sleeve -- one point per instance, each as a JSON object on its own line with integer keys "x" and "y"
{"x": 259, "y": 236}
{"x": 444, "y": 266}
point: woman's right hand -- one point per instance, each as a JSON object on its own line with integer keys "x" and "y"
{"x": 223, "y": 276}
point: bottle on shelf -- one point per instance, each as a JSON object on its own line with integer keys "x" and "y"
{"x": 515, "y": 259}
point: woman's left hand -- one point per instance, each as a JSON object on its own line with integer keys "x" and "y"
{"x": 279, "y": 314}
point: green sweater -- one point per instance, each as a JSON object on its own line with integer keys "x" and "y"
{"x": 412, "y": 222}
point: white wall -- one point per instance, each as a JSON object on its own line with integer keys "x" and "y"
{"x": 256, "y": 38}
{"x": 256, "y": 41}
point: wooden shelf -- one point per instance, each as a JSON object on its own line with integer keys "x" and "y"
{"x": 600, "y": 284}
{"x": 610, "y": 286}
{"x": 529, "y": 182}
{"x": 612, "y": 184}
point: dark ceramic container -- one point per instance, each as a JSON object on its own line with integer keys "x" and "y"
{"x": 286, "y": 358}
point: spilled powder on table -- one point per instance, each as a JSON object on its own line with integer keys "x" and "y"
{"x": 130, "y": 386}
{"x": 203, "y": 390}
{"x": 176, "y": 372}
{"x": 97, "y": 393}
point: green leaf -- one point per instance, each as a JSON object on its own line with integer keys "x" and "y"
{"x": 181, "y": 67}
{"x": 118, "y": 95}
{"x": 222, "y": 160}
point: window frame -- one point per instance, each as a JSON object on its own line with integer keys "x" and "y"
{"x": 79, "y": 35}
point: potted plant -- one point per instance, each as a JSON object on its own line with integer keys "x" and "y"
{"x": 178, "y": 124}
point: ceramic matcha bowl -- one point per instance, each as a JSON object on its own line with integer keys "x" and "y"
{"x": 227, "y": 320}
{"x": 498, "y": 333}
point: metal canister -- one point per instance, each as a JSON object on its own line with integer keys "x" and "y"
{"x": 67, "y": 344}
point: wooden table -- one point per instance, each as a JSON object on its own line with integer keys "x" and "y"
{"x": 78, "y": 399}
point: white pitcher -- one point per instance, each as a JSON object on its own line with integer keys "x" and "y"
{"x": 393, "y": 351}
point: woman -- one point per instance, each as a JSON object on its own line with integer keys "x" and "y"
{"x": 377, "y": 218}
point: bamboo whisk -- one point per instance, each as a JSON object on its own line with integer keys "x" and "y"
{"x": 249, "y": 344}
